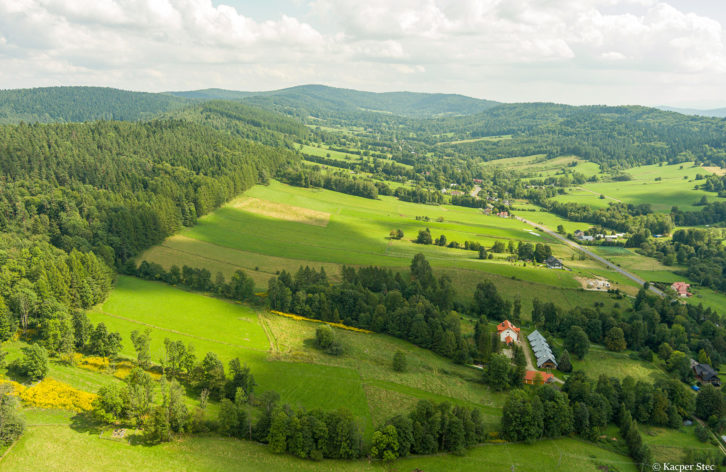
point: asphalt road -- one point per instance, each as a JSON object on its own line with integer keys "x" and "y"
{"x": 592, "y": 255}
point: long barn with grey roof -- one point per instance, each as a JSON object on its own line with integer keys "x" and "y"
{"x": 542, "y": 351}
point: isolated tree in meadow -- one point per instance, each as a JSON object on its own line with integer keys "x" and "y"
{"x": 577, "y": 342}
{"x": 424, "y": 237}
{"x": 482, "y": 252}
{"x": 498, "y": 247}
{"x": 400, "y": 363}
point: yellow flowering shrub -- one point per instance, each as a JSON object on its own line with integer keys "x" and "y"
{"x": 337, "y": 325}
{"x": 50, "y": 393}
{"x": 94, "y": 363}
{"x": 18, "y": 388}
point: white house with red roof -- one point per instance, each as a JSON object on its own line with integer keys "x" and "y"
{"x": 681, "y": 289}
{"x": 508, "y": 333}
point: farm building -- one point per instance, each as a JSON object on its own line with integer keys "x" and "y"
{"x": 681, "y": 289}
{"x": 508, "y": 333}
{"x": 705, "y": 373}
{"x": 554, "y": 263}
{"x": 542, "y": 351}
{"x": 531, "y": 375}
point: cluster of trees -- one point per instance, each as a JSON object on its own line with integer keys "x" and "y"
{"x": 337, "y": 181}
{"x": 40, "y": 287}
{"x": 310, "y": 435}
{"x": 710, "y": 214}
{"x": 419, "y": 195}
{"x": 416, "y": 306}
{"x": 240, "y": 287}
{"x": 429, "y": 429}
{"x": 700, "y": 250}
{"x": 624, "y": 217}
{"x": 675, "y": 332}
{"x": 585, "y": 407}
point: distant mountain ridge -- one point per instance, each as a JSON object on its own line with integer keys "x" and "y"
{"x": 408, "y": 104}
{"x": 713, "y": 112}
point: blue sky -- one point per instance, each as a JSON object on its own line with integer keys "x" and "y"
{"x": 651, "y": 52}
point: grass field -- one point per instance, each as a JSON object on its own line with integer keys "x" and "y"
{"x": 56, "y": 441}
{"x": 675, "y": 188}
{"x": 229, "y": 330}
{"x": 279, "y": 352}
{"x": 356, "y": 233}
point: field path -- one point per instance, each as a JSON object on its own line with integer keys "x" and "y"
{"x": 182, "y": 333}
{"x": 593, "y": 256}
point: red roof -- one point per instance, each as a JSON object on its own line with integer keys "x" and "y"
{"x": 530, "y": 375}
{"x": 506, "y": 325}
{"x": 681, "y": 287}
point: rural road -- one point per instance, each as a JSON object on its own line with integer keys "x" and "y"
{"x": 592, "y": 255}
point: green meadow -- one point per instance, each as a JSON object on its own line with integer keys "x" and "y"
{"x": 279, "y": 353}
{"x": 354, "y": 231}
{"x": 674, "y": 187}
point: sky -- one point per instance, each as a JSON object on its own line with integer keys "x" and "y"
{"x": 649, "y": 52}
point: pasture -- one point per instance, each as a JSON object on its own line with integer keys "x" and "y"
{"x": 279, "y": 352}
{"x": 661, "y": 186}
{"x": 265, "y": 239}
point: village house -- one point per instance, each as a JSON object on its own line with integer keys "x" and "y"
{"x": 554, "y": 263}
{"x": 531, "y": 375}
{"x": 503, "y": 214}
{"x": 508, "y": 333}
{"x": 542, "y": 351}
{"x": 681, "y": 289}
{"x": 705, "y": 374}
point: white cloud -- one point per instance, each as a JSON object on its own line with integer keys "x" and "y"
{"x": 567, "y": 50}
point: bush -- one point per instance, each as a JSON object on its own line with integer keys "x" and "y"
{"x": 326, "y": 341}
{"x": 399, "y": 361}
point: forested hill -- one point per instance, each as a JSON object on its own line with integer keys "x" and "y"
{"x": 612, "y": 136}
{"x": 249, "y": 122}
{"x": 78, "y": 198}
{"x": 76, "y": 104}
{"x": 322, "y": 100}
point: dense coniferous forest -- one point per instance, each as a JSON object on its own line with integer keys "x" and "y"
{"x": 66, "y": 104}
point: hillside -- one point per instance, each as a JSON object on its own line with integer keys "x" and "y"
{"x": 75, "y": 104}
{"x": 331, "y": 99}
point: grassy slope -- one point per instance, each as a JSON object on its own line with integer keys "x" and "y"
{"x": 231, "y": 239}
{"x": 672, "y": 190}
{"x": 361, "y": 380}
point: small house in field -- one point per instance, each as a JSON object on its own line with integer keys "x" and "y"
{"x": 681, "y": 289}
{"x": 531, "y": 375}
{"x": 508, "y": 333}
{"x": 503, "y": 214}
{"x": 542, "y": 352}
{"x": 705, "y": 373}
{"x": 554, "y": 263}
